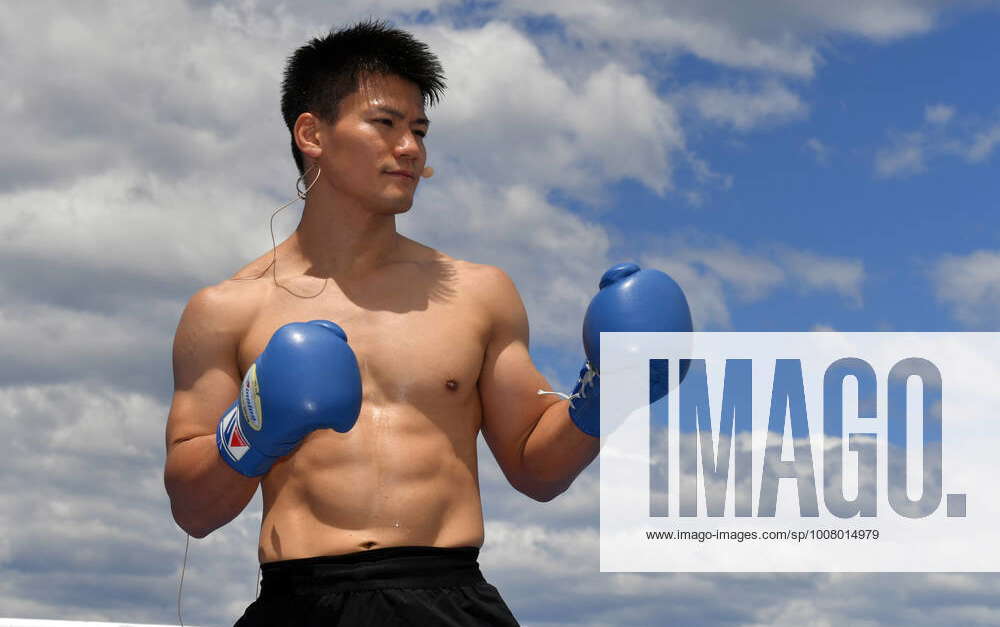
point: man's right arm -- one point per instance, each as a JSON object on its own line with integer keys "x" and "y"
{"x": 205, "y": 492}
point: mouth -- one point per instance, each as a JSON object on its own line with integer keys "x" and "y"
{"x": 403, "y": 173}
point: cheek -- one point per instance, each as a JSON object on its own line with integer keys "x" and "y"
{"x": 351, "y": 140}
{"x": 354, "y": 158}
{"x": 356, "y": 148}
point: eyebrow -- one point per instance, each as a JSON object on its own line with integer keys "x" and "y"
{"x": 399, "y": 115}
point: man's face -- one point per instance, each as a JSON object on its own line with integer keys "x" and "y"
{"x": 374, "y": 152}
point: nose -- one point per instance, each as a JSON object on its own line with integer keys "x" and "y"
{"x": 408, "y": 147}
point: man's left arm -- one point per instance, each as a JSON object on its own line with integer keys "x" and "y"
{"x": 534, "y": 440}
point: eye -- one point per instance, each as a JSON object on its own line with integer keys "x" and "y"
{"x": 386, "y": 121}
{"x": 420, "y": 133}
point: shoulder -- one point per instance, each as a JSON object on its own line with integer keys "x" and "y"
{"x": 492, "y": 281}
{"x": 225, "y": 296}
{"x": 477, "y": 278}
{"x": 489, "y": 285}
{"x": 225, "y": 308}
{"x": 486, "y": 285}
{"x": 496, "y": 293}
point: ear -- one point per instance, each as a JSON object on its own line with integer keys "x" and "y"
{"x": 308, "y": 133}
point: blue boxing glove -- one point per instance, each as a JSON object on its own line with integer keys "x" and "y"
{"x": 306, "y": 378}
{"x": 629, "y": 299}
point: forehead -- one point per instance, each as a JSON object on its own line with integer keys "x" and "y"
{"x": 388, "y": 91}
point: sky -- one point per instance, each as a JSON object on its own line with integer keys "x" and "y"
{"x": 794, "y": 165}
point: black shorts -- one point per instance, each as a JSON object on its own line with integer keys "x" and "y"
{"x": 409, "y": 585}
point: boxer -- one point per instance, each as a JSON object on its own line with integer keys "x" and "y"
{"x": 348, "y": 372}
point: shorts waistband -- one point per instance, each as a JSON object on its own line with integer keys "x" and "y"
{"x": 390, "y": 567}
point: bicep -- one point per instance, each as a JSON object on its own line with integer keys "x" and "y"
{"x": 206, "y": 372}
{"x": 509, "y": 381}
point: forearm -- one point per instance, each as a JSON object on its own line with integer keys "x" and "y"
{"x": 205, "y": 493}
{"x": 555, "y": 453}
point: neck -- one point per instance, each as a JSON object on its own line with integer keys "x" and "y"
{"x": 338, "y": 238}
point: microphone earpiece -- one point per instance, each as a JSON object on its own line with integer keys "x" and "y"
{"x": 427, "y": 173}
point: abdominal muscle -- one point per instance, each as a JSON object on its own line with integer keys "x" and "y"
{"x": 398, "y": 478}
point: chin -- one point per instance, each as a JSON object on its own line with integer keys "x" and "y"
{"x": 399, "y": 205}
{"x": 394, "y": 209}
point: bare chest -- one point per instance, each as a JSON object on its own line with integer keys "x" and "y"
{"x": 420, "y": 350}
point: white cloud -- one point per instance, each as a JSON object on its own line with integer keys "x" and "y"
{"x": 820, "y": 327}
{"x": 744, "y": 108}
{"x": 958, "y": 595}
{"x": 818, "y": 272}
{"x": 971, "y": 139}
{"x": 904, "y": 157}
{"x": 750, "y": 276}
{"x": 509, "y": 118}
{"x": 669, "y": 27}
{"x": 820, "y": 150}
{"x": 89, "y": 529}
{"x": 982, "y": 144}
{"x": 712, "y": 271}
{"x": 111, "y": 222}
{"x": 105, "y": 88}
{"x": 939, "y": 113}
{"x": 773, "y": 36}
{"x": 969, "y": 285}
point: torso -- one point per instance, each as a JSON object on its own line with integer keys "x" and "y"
{"x": 406, "y": 474}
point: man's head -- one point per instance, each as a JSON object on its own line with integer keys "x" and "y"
{"x": 320, "y": 74}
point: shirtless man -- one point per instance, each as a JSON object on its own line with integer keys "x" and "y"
{"x": 378, "y": 519}
{"x": 441, "y": 345}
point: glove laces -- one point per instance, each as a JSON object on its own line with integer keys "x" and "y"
{"x": 585, "y": 382}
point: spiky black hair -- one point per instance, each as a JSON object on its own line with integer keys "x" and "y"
{"x": 320, "y": 74}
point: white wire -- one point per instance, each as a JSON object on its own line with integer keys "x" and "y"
{"x": 301, "y": 194}
{"x": 181, "y": 585}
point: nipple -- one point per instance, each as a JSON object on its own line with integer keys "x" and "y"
{"x": 451, "y": 384}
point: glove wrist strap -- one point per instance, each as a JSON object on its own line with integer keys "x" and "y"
{"x": 584, "y": 402}
{"x": 236, "y": 449}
